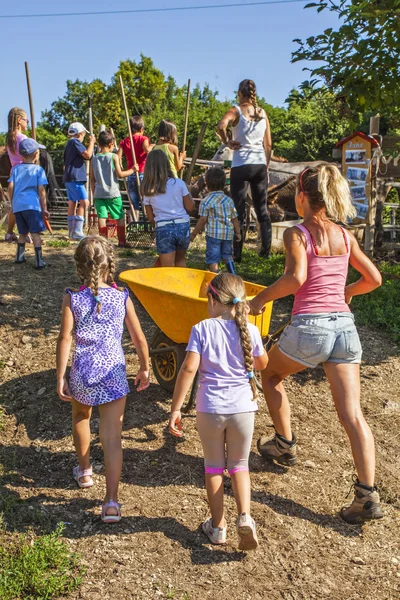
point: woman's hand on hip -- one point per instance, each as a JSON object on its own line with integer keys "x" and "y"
{"x": 234, "y": 145}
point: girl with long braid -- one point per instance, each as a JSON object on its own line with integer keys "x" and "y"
{"x": 252, "y": 147}
{"x": 17, "y": 124}
{"x": 95, "y": 317}
{"x": 225, "y": 349}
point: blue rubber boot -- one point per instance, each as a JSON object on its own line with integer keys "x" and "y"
{"x": 77, "y": 233}
{"x": 230, "y": 265}
{"x": 71, "y": 225}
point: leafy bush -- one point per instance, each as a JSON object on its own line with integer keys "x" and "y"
{"x": 38, "y": 569}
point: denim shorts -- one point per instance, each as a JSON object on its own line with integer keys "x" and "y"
{"x": 76, "y": 190}
{"x": 29, "y": 221}
{"x": 133, "y": 191}
{"x": 217, "y": 250}
{"x": 314, "y": 339}
{"x": 172, "y": 237}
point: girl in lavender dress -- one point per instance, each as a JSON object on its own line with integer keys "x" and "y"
{"x": 95, "y": 317}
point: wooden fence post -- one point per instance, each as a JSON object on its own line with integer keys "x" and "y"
{"x": 370, "y": 228}
{"x": 195, "y": 153}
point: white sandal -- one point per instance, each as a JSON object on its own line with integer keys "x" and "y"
{"x": 77, "y": 474}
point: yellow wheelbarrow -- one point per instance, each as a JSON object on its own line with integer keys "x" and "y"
{"x": 176, "y": 299}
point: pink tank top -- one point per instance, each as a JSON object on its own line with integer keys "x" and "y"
{"x": 323, "y": 290}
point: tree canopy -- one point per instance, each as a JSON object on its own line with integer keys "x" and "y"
{"x": 360, "y": 59}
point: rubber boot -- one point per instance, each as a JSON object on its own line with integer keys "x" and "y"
{"x": 40, "y": 264}
{"x": 279, "y": 449}
{"x": 77, "y": 233}
{"x": 121, "y": 236}
{"x": 238, "y": 247}
{"x": 230, "y": 266}
{"x": 103, "y": 231}
{"x": 71, "y": 224}
{"x": 20, "y": 257}
{"x": 266, "y": 238}
{"x": 365, "y": 505}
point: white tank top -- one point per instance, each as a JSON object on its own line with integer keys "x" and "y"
{"x": 250, "y": 134}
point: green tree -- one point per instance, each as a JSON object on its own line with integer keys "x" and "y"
{"x": 361, "y": 59}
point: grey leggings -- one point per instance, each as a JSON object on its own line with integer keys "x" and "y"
{"x": 236, "y": 431}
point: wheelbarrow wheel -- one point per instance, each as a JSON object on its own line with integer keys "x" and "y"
{"x": 166, "y": 364}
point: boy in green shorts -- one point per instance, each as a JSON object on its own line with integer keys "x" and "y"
{"x": 105, "y": 172}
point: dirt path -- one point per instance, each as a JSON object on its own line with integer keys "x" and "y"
{"x": 158, "y": 551}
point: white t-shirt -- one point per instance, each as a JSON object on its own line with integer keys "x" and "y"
{"x": 169, "y": 206}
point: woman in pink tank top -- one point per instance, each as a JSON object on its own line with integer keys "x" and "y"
{"x": 322, "y": 329}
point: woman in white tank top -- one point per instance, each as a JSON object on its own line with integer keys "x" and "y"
{"x": 251, "y": 145}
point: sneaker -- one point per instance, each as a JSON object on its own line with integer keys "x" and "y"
{"x": 365, "y": 505}
{"x": 246, "y": 529}
{"x": 216, "y": 535}
{"x": 279, "y": 449}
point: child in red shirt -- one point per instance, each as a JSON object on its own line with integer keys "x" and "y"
{"x": 141, "y": 144}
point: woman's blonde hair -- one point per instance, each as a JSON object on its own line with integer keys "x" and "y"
{"x": 325, "y": 187}
{"x": 157, "y": 171}
{"x": 94, "y": 259}
{"x": 229, "y": 290}
{"x": 13, "y": 116}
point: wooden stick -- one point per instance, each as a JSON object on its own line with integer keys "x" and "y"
{"x": 130, "y": 132}
{"x": 369, "y": 241}
{"x": 196, "y": 153}
{"x": 28, "y": 81}
{"x": 133, "y": 209}
{"x": 186, "y": 121}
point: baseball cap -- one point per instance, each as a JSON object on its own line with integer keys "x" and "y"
{"x": 29, "y": 146}
{"x": 76, "y": 128}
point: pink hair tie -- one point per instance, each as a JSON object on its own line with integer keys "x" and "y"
{"x": 114, "y": 285}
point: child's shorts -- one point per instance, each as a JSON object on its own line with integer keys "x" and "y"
{"x": 217, "y": 250}
{"x": 312, "y": 340}
{"x": 29, "y": 221}
{"x": 76, "y": 190}
{"x": 172, "y": 236}
{"x": 133, "y": 191}
{"x": 109, "y": 206}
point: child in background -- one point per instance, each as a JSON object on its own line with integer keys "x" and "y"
{"x": 17, "y": 124}
{"x": 104, "y": 175}
{"x": 28, "y": 199}
{"x": 218, "y": 214}
{"x": 142, "y": 147}
{"x": 168, "y": 143}
{"x": 96, "y": 315}
{"x": 75, "y": 154}
{"x": 225, "y": 349}
{"x": 168, "y": 203}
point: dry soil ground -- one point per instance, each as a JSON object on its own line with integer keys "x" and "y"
{"x": 158, "y": 551}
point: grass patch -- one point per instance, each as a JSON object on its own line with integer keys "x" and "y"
{"x": 58, "y": 243}
{"x": 38, "y": 568}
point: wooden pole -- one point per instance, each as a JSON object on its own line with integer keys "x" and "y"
{"x": 186, "y": 121}
{"x": 28, "y": 82}
{"x": 133, "y": 210}
{"x": 369, "y": 241}
{"x": 130, "y": 131}
{"x": 196, "y": 153}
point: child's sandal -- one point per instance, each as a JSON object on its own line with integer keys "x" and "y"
{"x": 78, "y": 475}
{"x": 110, "y": 518}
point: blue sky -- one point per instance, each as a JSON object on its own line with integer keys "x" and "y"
{"x": 219, "y": 46}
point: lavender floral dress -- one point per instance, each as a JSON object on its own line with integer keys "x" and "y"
{"x": 98, "y": 372}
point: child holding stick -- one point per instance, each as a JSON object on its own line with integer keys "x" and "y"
{"x": 225, "y": 349}
{"x": 168, "y": 143}
{"x": 142, "y": 147}
{"x": 104, "y": 175}
{"x": 75, "y": 154}
{"x": 96, "y": 315}
{"x": 168, "y": 203}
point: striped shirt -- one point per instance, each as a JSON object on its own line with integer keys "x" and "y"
{"x": 219, "y": 210}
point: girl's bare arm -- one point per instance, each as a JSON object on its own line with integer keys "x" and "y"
{"x": 63, "y": 348}
{"x": 188, "y": 203}
{"x": 149, "y": 213}
{"x": 179, "y": 157}
{"x": 185, "y": 379}
{"x": 139, "y": 341}
{"x": 120, "y": 173}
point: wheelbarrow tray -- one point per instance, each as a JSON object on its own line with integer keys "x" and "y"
{"x": 176, "y": 299}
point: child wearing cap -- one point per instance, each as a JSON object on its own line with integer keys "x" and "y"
{"x": 104, "y": 175}
{"x": 75, "y": 154}
{"x": 28, "y": 199}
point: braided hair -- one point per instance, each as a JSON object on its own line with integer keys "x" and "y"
{"x": 13, "y": 116}
{"x": 247, "y": 87}
{"x": 94, "y": 258}
{"x": 229, "y": 290}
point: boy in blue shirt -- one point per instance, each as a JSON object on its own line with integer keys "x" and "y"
{"x": 28, "y": 199}
{"x": 218, "y": 214}
{"x": 75, "y": 154}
